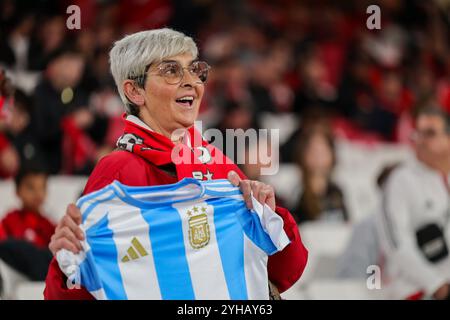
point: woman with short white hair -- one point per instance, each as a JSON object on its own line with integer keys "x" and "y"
{"x": 161, "y": 82}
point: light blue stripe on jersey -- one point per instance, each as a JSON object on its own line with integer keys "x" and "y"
{"x": 222, "y": 193}
{"x": 169, "y": 253}
{"x": 101, "y": 241}
{"x": 253, "y": 229}
{"x": 89, "y": 276}
{"x": 213, "y": 188}
{"x": 230, "y": 240}
{"x": 218, "y": 182}
{"x": 249, "y": 219}
{"x": 94, "y": 195}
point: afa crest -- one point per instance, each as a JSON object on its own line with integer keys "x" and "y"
{"x": 199, "y": 234}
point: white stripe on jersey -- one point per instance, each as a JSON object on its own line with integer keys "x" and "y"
{"x": 139, "y": 277}
{"x": 201, "y": 262}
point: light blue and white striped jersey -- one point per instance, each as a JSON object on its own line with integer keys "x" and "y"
{"x": 188, "y": 240}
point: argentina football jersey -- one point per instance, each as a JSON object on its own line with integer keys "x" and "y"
{"x": 188, "y": 240}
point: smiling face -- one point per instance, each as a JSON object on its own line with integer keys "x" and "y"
{"x": 166, "y": 107}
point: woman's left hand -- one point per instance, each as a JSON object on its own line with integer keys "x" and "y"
{"x": 262, "y": 192}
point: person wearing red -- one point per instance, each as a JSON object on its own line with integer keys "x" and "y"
{"x": 28, "y": 225}
{"x": 161, "y": 83}
{"x": 25, "y": 233}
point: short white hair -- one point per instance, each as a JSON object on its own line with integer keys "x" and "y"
{"x": 132, "y": 54}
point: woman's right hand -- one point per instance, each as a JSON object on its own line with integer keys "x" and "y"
{"x": 68, "y": 234}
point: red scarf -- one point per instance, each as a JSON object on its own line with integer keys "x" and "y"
{"x": 194, "y": 157}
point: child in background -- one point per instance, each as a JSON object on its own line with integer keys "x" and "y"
{"x": 25, "y": 233}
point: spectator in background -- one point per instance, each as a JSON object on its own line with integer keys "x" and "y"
{"x": 105, "y": 103}
{"x": 359, "y": 99}
{"x": 66, "y": 128}
{"x": 237, "y": 115}
{"x": 363, "y": 248}
{"x": 20, "y": 130}
{"x": 15, "y": 49}
{"x": 25, "y": 233}
{"x": 321, "y": 199}
{"x": 416, "y": 214}
{"x": 268, "y": 90}
{"x": 315, "y": 89}
{"x": 275, "y": 58}
{"x": 29, "y": 30}
{"x": 57, "y": 98}
{"x": 9, "y": 159}
{"x": 48, "y": 38}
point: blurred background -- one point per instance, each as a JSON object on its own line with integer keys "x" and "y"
{"x": 342, "y": 96}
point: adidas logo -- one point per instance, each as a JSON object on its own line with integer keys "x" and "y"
{"x": 135, "y": 251}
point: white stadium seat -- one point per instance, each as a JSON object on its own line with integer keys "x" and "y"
{"x": 30, "y": 291}
{"x": 62, "y": 190}
{"x": 348, "y": 289}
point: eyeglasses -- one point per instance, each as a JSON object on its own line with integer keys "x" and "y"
{"x": 173, "y": 72}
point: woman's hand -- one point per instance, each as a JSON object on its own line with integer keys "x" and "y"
{"x": 262, "y": 192}
{"x": 68, "y": 234}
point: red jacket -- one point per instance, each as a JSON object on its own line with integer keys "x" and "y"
{"x": 27, "y": 225}
{"x": 284, "y": 268}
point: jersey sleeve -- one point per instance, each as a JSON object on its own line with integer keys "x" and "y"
{"x": 78, "y": 268}
{"x": 56, "y": 286}
{"x": 286, "y": 266}
{"x": 55, "y": 283}
{"x": 263, "y": 227}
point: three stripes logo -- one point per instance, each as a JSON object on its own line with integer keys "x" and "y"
{"x": 135, "y": 251}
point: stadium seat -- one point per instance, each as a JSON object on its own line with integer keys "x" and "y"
{"x": 325, "y": 242}
{"x": 62, "y": 190}
{"x": 348, "y": 289}
{"x": 11, "y": 280}
{"x": 30, "y": 291}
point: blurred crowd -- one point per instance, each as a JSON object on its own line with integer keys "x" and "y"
{"x": 314, "y": 60}
{"x": 307, "y": 58}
